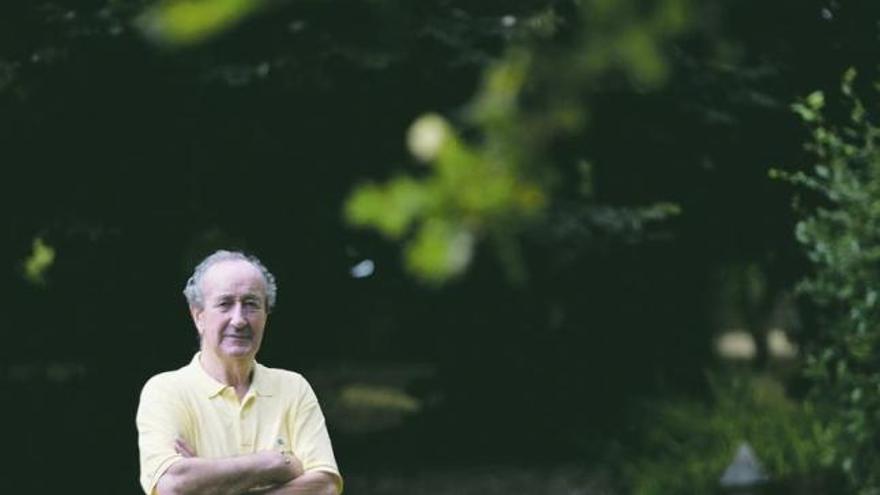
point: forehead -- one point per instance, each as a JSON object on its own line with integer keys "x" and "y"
{"x": 233, "y": 277}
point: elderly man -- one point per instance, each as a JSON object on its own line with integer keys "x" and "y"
{"x": 225, "y": 424}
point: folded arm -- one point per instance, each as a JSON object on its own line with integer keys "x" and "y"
{"x": 229, "y": 475}
{"x": 311, "y": 483}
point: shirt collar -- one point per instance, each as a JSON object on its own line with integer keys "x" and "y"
{"x": 260, "y": 383}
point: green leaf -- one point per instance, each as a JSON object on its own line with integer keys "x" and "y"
{"x": 639, "y": 49}
{"x": 816, "y": 100}
{"x": 441, "y": 250}
{"x": 184, "y": 22}
{"x": 38, "y": 263}
{"x": 806, "y": 114}
{"x": 391, "y": 208}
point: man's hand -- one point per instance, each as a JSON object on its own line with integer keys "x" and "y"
{"x": 282, "y": 466}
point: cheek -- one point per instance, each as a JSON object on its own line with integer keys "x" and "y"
{"x": 207, "y": 320}
{"x": 208, "y": 325}
{"x": 260, "y": 324}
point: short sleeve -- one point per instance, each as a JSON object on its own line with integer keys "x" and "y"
{"x": 311, "y": 441}
{"x": 160, "y": 420}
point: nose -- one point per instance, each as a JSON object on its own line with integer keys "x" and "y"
{"x": 238, "y": 319}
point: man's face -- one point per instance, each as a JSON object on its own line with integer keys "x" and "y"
{"x": 234, "y": 314}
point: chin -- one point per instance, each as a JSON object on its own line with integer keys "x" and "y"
{"x": 240, "y": 352}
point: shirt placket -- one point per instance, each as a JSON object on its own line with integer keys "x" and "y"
{"x": 247, "y": 425}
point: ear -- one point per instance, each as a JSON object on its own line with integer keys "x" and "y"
{"x": 196, "y": 314}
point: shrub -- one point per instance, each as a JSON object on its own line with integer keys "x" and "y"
{"x": 840, "y": 233}
{"x": 690, "y": 443}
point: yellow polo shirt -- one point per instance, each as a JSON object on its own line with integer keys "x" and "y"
{"x": 280, "y": 412}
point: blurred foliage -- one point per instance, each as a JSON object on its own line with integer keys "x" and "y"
{"x": 690, "y": 443}
{"x": 183, "y": 22}
{"x": 468, "y": 194}
{"x": 38, "y": 262}
{"x": 378, "y": 397}
{"x": 500, "y": 179}
{"x": 840, "y": 233}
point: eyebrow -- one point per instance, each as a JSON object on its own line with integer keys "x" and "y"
{"x": 249, "y": 295}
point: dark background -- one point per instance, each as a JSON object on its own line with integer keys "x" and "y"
{"x": 133, "y": 162}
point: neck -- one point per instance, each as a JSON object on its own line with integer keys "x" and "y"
{"x": 233, "y": 372}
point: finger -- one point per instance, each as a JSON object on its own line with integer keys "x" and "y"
{"x": 293, "y": 460}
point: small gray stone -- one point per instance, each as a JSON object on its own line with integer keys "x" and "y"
{"x": 744, "y": 471}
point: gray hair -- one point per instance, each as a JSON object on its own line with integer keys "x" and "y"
{"x": 193, "y": 289}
